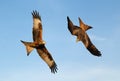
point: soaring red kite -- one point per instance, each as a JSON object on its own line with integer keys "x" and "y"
{"x": 39, "y": 44}
{"x": 80, "y": 32}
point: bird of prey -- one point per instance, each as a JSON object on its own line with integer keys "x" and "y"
{"x": 39, "y": 44}
{"x": 80, "y": 32}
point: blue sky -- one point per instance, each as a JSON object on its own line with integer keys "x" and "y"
{"x": 74, "y": 62}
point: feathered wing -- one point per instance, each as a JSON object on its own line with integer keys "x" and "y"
{"x": 70, "y": 25}
{"x": 37, "y": 27}
{"x": 46, "y": 56}
{"x": 37, "y": 37}
{"x": 72, "y": 28}
{"x": 83, "y": 26}
{"x": 88, "y": 44}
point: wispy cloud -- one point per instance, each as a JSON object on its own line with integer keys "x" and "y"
{"x": 93, "y": 74}
{"x": 97, "y": 38}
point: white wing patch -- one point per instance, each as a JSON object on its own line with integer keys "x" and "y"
{"x": 36, "y": 22}
{"x": 48, "y": 61}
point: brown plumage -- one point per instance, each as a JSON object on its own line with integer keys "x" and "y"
{"x": 83, "y": 26}
{"x": 80, "y": 32}
{"x": 39, "y": 44}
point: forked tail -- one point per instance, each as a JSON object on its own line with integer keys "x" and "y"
{"x": 29, "y": 46}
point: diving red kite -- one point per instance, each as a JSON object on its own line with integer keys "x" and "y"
{"x": 39, "y": 44}
{"x": 80, "y": 32}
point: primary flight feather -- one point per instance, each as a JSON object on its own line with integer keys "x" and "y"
{"x": 80, "y": 32}
{"x": 39, "y": 44}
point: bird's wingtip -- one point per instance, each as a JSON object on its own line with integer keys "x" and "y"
{"x": 21, "y": 41}
{"x": 67, "y": 17}
{"x": 54, "y": 68}
{"x": 99, "y": 55}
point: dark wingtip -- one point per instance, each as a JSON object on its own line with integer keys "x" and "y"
{"x": 79, "y": 18}
{"x": 22, "y": 41}
{"x": 98, "y": 54}
{"x": 54, "y": 68}
{"x": 94, "y": 51}
{"x": 35, "y": 14}
{"x": 68, "y": 18}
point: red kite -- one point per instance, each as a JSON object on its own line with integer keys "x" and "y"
{"x": 39, "y": 44}
{"x": 80, "y": 32}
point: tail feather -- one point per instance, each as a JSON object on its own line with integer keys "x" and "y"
{"x": 29, "y": 46}
{"x": 84, "y": 26}
{"x": 93, "y": 50}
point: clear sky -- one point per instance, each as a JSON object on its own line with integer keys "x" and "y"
{"x": 74, "y": 62}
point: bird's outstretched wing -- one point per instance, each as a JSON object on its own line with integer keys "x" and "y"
{"x": 46, "y": 56}
{"x": 37, "y": 27}
{"x": 83, "y": 26}
{"x": 37, "y": 37}
{"x": 89, "y": 45}
{"x": 72, "y": 28}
